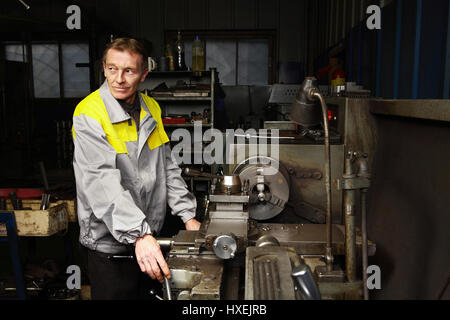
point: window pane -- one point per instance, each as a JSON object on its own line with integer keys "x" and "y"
{"x": 75, "y": 79}
{"x": 14, "y": 52}
{"x": 253, "y": 62}
{"x": 45, "y": 70}
{"x": 222, "y": 55}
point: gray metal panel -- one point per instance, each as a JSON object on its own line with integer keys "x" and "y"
{"x": 305, "y": 157}
{"x": 227, "y": 198}
{"x": 309, "y": 190}
{"x": 308, "y": 239}
{"x": 268, "y": 273}
{"x": 224, "y": 226}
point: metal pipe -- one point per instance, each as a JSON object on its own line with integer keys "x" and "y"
{"x": 165, "y": 243}
{"x": 168, "y": 291}
{"x": 314, "y": 92}
{"x": 364, "y": 242}
{"x": 350, "y": 234}
{"x": 349, "y": 218}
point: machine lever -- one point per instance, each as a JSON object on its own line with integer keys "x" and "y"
{"x": 168, "y": 290}
{"x": 197, "y": 173}
{"x": 305, "y": 282}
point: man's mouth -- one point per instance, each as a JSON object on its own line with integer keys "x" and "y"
{"x": 120, "y": 89}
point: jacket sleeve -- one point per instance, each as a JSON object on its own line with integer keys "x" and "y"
{"x": 100, "y": 182}
{"x": 180, "y": 200}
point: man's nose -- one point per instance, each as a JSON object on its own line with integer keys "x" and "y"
{"x": 120, "y": 78}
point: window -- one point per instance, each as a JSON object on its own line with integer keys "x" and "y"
{"x": 241, "y": 57}
{"x": 75, "y": 76}
{"x": 15, "y": 52}
{"x": 45, "y": 70}
{"x": 60, "y": 69}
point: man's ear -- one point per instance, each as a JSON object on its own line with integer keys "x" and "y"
{"x": 144, "y": 75}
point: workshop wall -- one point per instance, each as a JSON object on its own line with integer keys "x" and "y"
{"x": 409, "y": 58}
{"x": 407, "y": 218}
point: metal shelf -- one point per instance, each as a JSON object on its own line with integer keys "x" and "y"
{"x": 182, "y": 99}
{"x": 188, "y": 102}
{"x": 180, "y": 73}
{"x": 181, "y": 125}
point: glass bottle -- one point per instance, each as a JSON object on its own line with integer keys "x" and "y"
{"x": 180, "y": 64}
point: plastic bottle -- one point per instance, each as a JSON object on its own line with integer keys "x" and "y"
{"x": 169, "y": 56}
{"x": 198, "y": 55}
{"x": 180, "y": 64}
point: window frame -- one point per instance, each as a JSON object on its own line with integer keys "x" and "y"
{"x": 58, "y": 40}
{"x": 170, "y": 36}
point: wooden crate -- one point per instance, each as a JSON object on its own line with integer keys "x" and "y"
{"x": 36, "y": 204}
{"x": 40, "y": 223}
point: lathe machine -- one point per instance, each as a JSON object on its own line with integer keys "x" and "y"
{"x": 267, "y": 233}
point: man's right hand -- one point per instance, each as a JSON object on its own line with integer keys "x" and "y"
{"x": 150, "y": 258}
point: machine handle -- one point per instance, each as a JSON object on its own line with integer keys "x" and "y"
{"x": 305, "y": 282}
{"x": 197, "y": 173}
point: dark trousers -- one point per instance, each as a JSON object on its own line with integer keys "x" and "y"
{"x": 116, "y": 279}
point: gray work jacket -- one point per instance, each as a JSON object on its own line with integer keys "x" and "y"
{"x": 124, "y": 178}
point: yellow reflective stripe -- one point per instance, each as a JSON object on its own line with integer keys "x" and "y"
{"x": 126, "y": 132}
{"x": 158, "y": 136}
{"x": 93, "y": 107}
{"x": 143, "y": 114}
{"x": 119, "y": 133}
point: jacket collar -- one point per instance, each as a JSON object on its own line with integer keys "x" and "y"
{"x": 114, "y": 109}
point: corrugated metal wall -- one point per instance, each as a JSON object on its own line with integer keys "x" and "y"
{"x": 409, "y": 58}
{"x": 285, "y": 16}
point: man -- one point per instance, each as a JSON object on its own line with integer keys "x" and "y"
{"x": 125, "y": 176}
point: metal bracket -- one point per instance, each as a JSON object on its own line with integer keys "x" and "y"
{"x": 352, "y": 183}
{"x": 323, "y": 275}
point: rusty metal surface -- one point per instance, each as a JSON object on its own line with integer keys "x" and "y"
{"x": 420, "y": 109}
{"x": 356, "y": 124}
{"x": 341, "y": 291}
{"x": 307, "y": 239}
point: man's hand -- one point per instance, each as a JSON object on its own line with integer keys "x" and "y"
{"x": 192, "y": 225}
{"x": 150, "y": 258}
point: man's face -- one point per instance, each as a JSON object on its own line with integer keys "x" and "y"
{"x": 124, "y": 71}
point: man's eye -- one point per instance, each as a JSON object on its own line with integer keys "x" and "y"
{"x": 129, "y": 71}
